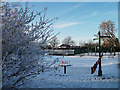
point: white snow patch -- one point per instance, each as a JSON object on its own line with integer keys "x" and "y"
{"x": 78, "y": 74}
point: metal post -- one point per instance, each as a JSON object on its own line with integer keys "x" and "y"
{"x": 0, "y": 45}
{"x": 114, "y": 51}
{"x": 95, "y": 50}
{"x": 64, "y": 69}
{"x": 42, "y": 69}
{"x": 111, "y": 51}
{"x": 100, "y": 71}
{"x": 88, "y": 51}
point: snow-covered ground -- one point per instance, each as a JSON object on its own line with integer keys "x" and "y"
{"x": 78, "y": 74}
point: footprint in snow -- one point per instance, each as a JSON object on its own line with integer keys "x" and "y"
{"x": 103, "y": 78}
{"x": 106, "y": 78}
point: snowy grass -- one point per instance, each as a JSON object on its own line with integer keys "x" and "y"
{"x": 78, "y": 74}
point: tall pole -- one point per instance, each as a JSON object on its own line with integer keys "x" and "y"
{"x": 95, "y": 50}
{"x": 0, "y": 46}
{"x": 100, "y": 71}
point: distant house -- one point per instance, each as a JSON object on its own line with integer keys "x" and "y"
{"x": 64, "y": 46}
{"x": 63, "y": 49}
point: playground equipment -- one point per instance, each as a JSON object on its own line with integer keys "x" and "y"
{"x": 64, "y": 64}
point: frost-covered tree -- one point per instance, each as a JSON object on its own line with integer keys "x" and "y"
{"x": 81, "y": 43}
{"x": 68, "y": 40}
{"x": 22, "y": 41}
{"x": 54, "y": 42}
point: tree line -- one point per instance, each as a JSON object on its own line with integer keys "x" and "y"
{"x": 107, "y": 28}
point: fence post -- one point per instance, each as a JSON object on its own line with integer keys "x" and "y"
{"x": 42, "y": 69}
{"x": 64, "y": 69}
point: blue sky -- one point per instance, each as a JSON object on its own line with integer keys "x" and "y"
{"x": 80, "y": 20}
